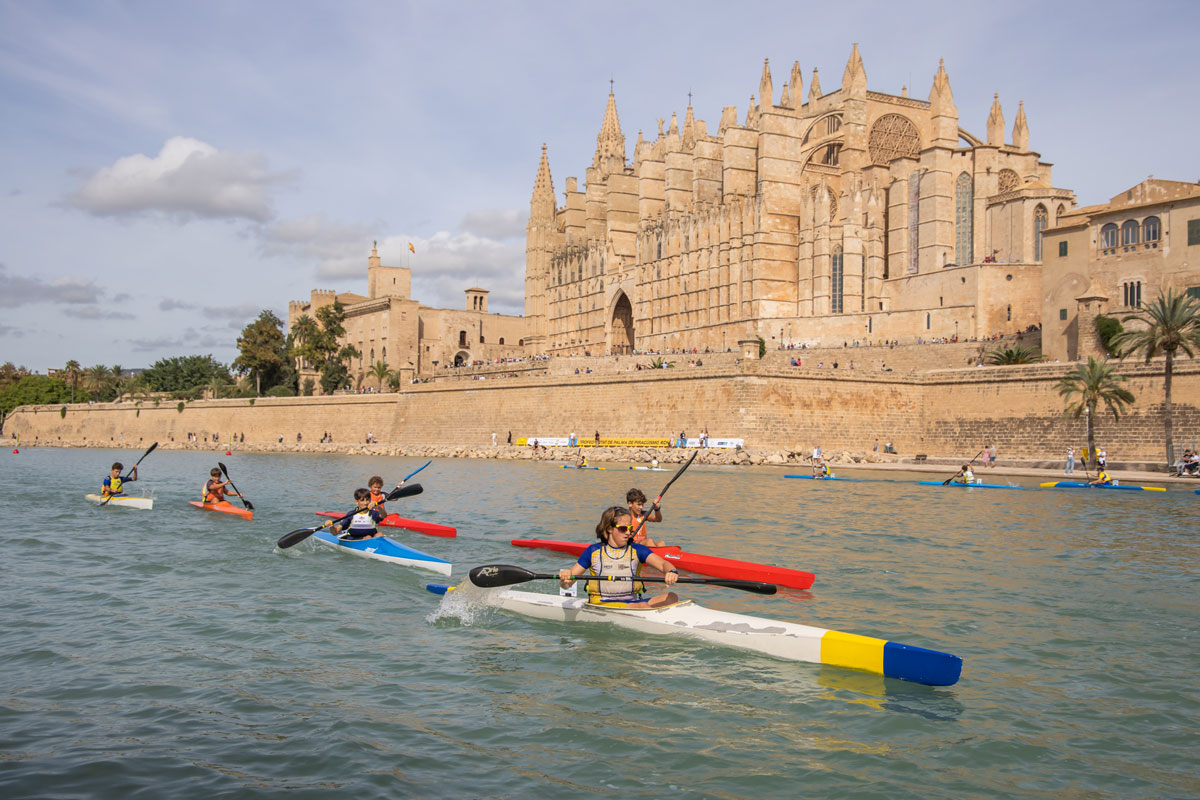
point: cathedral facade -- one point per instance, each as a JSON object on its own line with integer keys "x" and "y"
{"x": 817, "y": 218}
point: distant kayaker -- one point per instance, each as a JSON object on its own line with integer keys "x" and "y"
{"x": 637, "y": 500}
{"x": 113, "y": 485}
{"x": 615, "y": 555}
{"x": 1102, "y": 479}
{"x": 214, "y": 487}
{"x": 362, "y": 524}
{"x": 965, "y": 475}
{"x": 582, "y": 462}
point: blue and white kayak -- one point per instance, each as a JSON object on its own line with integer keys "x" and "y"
{"x": 1080, "y": 485}
{"x": 652, "y": 469}
{"x": 969, "y": 485}
{"x": 822, "y": 478}
{"x": 786, "y": 640}
{"x": 572, "y": 466}
{"x": 381, "y": 548}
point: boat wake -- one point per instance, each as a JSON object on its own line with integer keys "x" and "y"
{"x": 465, "y": 603}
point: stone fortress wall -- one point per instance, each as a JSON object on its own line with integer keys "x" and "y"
{"x": 942, "y": 413}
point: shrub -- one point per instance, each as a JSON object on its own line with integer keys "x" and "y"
{"x": 62, "y": 412}
{"x": 179, "y": 407}
{"x": 280, "y": 391}
{"x": 762, "y": 347}
{"x": 1108, "y": 328}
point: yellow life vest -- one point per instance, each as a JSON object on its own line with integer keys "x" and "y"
{"x": 621, "y": 563}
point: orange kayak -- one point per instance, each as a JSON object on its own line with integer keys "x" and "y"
{"x": 224, "y": 506}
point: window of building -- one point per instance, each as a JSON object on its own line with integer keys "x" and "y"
{"x": 501, "y": 340}
{"x": 462, "y": 338}
{"x": 1151, "y": 229}
{"x": 482, "y": 340}
{"x": 1062, "y": 314}
{"x": 833, "y": 125}
{"x": 868, "y": 324}
{"x": 1129, "y": 232}
{"x": 926, "y": 320}
{"x": 1010, "y": 313}
{"x": 1131, "y": 294}
{"x": 1062, "y": 249}
{"x": 830, "y": 157}
{"x": 1040, "y": 217}
{"x": 836, "y": 287}
{"x": 964, "y": 219}
{"x": 1193, "y": 231}
{"x": 1108, "y": 236}
{"x": 1194, "y": 291}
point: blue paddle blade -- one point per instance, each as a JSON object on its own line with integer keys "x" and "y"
{"x": 438, "y": 588}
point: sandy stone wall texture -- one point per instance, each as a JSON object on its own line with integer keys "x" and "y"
{"x": 941, "y": 413}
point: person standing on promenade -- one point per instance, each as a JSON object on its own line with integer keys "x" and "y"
{"x": 1101, "y": 458}
{"x": 1070, "y": 470}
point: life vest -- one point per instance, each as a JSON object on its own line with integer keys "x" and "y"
{"x": 212, "y": 492}
{"x": 634, "y": 521}
{"x": 362, "y": 525}
{"x": 622, "y": 563}
{"x": 377, "y": 498}
{"x": 113, "y": 486}
{"x": 967, "y": 477}
{"x": 1103, "y": 477}
{"x": 825, "y": 470}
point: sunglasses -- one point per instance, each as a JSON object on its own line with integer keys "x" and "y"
{"x": 621, "y": 528}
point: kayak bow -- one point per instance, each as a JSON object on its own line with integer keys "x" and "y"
{"x": 713, "y": 566}
{"x": 144, "y": 503}
{"x": 225, "y": 507}
{"x": 397, "y": 521}
{"x": 381, "y": 548}
{"x": 786, "y": 640}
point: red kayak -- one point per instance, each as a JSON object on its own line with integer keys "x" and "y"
{"x": 224, "y": 506}
{"x": 397, "y": 521}
{"x": 713, "y": 566}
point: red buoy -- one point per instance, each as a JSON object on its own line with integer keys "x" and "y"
{"x": 16, "y": 451}
{"x": 228, "y": 453}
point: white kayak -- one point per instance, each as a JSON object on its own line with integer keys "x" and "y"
{"x": 785, "y": 640}
{"x": 122, "y": 501}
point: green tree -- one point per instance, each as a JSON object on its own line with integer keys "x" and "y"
{"x": 1017, "y": 354}
{"x": 33, "y": 390}
{"x": 315, "y": 342}
{"x": 10, "y": 373}
{"x": 1167, "y": 325}
{"x": 1108, "y": 329}
{"x": 263, "y": 351}
{"x": 762, "y": 347}
{"x": 184, "y": 373}
{"x": 1086, "y": 386}
{"x": 380, "y": 372}
{"x": 71, "y": 374}
{"x": 98, "y": 382}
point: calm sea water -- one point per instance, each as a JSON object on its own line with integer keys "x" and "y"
{"x": 174, "y": 653}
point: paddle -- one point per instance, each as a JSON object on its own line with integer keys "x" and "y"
{"x": 969, "y": 463}
{"x": 657, "y": 500}
{"x": 493, "y": 575}
{"x": 404, "y": 480}
{"x": 131, "y": 470}
{"x": 249, "y": 506}
{"x": 297, "y": 536}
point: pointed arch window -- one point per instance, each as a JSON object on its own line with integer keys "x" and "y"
{"x": 837, "y": 282}
{"x": 1040, "y": 218}
{"x": 964, "y": 219}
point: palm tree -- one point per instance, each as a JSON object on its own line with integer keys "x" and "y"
{"x": 380, "y": 371}
{"x": 97, "y": 380}
{"x": 1172, "y": 322}
{"x": 1089, "y": 384}
{"x": 71, "y": 373}
{"x": 1017, "y": 354}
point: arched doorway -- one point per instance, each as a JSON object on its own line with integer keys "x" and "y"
{"x": 462, "y": 358}
{"x": 622, "y": 326}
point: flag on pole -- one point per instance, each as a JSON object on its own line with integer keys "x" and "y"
{"x": 411, "y": 248}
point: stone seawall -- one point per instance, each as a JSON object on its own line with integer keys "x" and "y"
{"x": 946, "y": 413}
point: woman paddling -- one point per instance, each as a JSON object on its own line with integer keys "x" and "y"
{"x": 617, "y": 557}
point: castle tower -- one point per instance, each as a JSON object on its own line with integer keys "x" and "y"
{"x": 1020, "y": 136}
{"x": 541, "y": 236}
{"x": 477, "y": 300}
{"x": 995, "y": 124}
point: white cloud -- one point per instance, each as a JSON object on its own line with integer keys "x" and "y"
{"x": 504, "y": 223}
{"x": 338, "y": 250}
{"x": 17, "y": 290}
{"x": 92, "y": 312}
{"x": 187, "y": 179}
{"x": 446, "y": 264}
{"x": 171, "y": 304}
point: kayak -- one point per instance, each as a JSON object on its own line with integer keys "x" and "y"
{"x": 652, "y": 469}
{"x": 397, "y": 521}
{"x": 1080, "y": 485}
{"x": 572, "y": 466}
{"x": 786, "y": 640}
{"x": 381, "y": 548}
{"x": 822, "y": 478}
{"x": 145, "y": 503}
{"x": 224, "y": 506}
{"x": 712, "y": 566}
{"x": 969, "y": 485}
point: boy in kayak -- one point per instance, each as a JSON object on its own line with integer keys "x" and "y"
{"x": 362, "y": 524}
{"x": 375, "y": 486}
{"x": 616, "y": 555}
{"x": 637, "y": 501}
{"x": 965, "y": 475}
{"x": 1102, "y": 479}
{"x": 113, "y": 485}
{"x": 214, "y": 488}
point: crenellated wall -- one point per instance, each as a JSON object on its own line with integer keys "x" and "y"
{"x": 940, "y": 413}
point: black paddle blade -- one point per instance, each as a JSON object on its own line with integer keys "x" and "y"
{"x": 492, "y": 575}
{"x": 745, "y": 586}
{"x": 296, "y": 537}
{"x": 403, "y": 491}
{"x": 249, "y": 506}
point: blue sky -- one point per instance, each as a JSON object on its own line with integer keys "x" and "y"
{"x": 167, "y": 170}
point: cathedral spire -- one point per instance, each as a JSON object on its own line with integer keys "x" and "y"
{"x": 943, "y": 110}
{"x": 541, "y": 206}
{"x": 766, "y": 90}
{"x": 689, "y": 128}
{"x": 1020, "y": 135}
{"x": 796, "y": 85}
{"x": 610, "y": 143}
{"x": 995, "y": 123}
{"x": 785, "y": 97}
{"x": 854, "y": 79}
{"x": 814, "y": 89}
